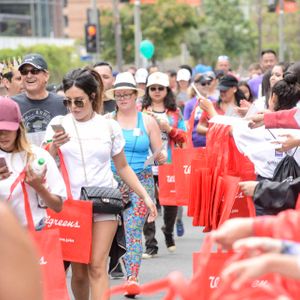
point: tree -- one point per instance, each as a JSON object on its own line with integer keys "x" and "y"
{"x": 60, "y": 59}
{"x": 291, "y": 33}
{"x": 164, "y": 23}
{"x": 222, "y": 31}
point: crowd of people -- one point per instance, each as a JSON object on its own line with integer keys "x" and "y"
{"x": 110, "y": 125}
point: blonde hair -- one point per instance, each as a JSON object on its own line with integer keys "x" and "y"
{"x": 22, "y": 143}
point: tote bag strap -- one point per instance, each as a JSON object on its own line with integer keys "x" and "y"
{"x": 65, "y": 174}
{"x": 28, "y": 213}
{"x": 63, "y": 170}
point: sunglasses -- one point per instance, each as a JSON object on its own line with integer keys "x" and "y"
{"x": 160, "y": 88}
{"x": 25, "y": 72}
{"x": 205, "y": 83}
{"x": 77, "y": 103}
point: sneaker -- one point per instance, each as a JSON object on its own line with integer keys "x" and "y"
{"x": 149, "y": 253}
{"x": 179, "y": 228}
{"x": 172, "y": 249}
{"x": 170, "y": 243}
{"x": 117, "y": 273}
{"x": 132, "y": 287}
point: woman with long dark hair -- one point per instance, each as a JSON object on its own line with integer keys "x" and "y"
{"x": 88, "y": 143}
{"x": 285, "y": 94}
{"x": 159, "y": 102}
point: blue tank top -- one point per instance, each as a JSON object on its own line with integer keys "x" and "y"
{"x": 137, "y": 146}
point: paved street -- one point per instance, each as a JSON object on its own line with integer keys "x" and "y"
{"x": 164, "y": 263}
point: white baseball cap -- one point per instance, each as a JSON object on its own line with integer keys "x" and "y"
{"x": 141, "y": 75}
{"x": 158, "y": 78}
{"x": 183, "y": 74}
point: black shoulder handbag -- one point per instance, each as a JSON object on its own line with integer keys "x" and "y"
{"x": 287, "y": 167}
{"x": 106, "y": 200}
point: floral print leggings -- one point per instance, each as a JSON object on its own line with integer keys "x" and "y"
{"x": 134, "y": 219}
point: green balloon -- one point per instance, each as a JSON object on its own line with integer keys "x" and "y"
{"x": 147, "y": 48}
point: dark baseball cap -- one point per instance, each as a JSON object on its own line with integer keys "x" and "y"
{"x": 227, "y": 82}
{"x": 36, "y": 60}
{"x": 203, "y": 78}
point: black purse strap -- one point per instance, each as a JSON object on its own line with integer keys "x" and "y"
{"x": 295, "y": 151}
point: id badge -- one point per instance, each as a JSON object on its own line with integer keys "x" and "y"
{"x": 278, "y": 154}
{"x": 137, "y": 132}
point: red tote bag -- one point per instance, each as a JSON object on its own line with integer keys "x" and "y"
{"x": 194, "y": 186}
{"x": 166, "y": 183}
{"x": 266, "y": 287}
{"x": 51, "y": 263}
{"x": 207, "y": 267}
{"x": 74, "y": 223}
{"x": 49, "y": 249}
{"x": 182, "y": 159}
{"x": 243, "y": 207}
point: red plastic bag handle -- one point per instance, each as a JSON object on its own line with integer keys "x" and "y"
{"x": 63, "y": 170}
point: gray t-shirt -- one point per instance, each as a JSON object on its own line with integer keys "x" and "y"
{"x": 37, "y": 114}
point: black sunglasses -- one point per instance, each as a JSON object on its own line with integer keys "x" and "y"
{"x": 205, "y": 83}
{"x": 77, "y": 103}
{"x": 160, "y": 88}
{"x": 33, "y": 71}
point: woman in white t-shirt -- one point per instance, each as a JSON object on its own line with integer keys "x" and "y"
{"x": 16, "y": 154}
{"x": 258, "y": 144}
{"x": 88, "y": 147}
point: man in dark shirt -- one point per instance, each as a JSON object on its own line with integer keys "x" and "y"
{"x": 104, "y": 69}
{"x": 37, "y": 105}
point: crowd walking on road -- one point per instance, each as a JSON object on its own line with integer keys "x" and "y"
{"x": 117, "y": 131}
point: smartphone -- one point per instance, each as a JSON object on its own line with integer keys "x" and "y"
{"x": 58, "y": 128}
{"x": 3, "y": 162}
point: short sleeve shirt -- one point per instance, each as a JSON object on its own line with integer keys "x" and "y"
{"x": 16, "y": 163}
{"x": 100, "y": 139}
{"x": 37, "y": 114}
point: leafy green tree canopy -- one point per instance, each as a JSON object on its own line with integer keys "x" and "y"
{"x": 164, "y": 23}
{"x": 60, "y": 59}
{"x": 223, "y": 30}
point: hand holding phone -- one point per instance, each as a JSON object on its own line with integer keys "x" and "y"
{"x": 3, "y": 162}
{"x": 58, "y": 128}
{"x": 4, "y": 172}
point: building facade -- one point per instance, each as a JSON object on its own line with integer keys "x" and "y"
{"x": 38, "y": 18}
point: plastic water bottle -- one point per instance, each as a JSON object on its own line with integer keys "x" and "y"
{"x": 38, "y": 166}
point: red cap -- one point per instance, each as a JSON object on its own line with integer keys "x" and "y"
{"x": 10, "y": 115}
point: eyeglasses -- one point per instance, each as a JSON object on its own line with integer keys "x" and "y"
{"x": 160, "y": 88}
{"x": 124, "y": 96}
{"x": 78, "y": 103}
{"x": 34, "y": 71}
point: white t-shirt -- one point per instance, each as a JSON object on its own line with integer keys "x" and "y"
{"x": 16, "y": 163}
{"x": 95, "y": 138}
{"x": 256, "y": 145}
